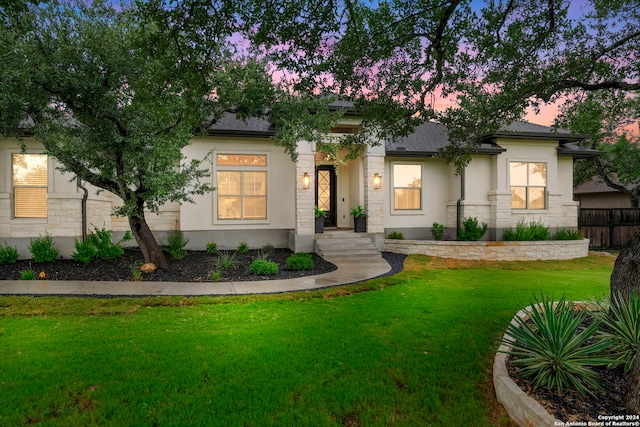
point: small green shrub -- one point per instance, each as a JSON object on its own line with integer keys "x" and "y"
{"x": 437, "y": 230}
{"x": 358, "y": 212}
{"x": 175, "y": 245}
{"x": 563, "y": 234}
{"x": 527, "y": 233}
{"x": 105, "y": 248}
{"x": 300, "y": 261}
{"x": 620, "y": 327}
{"x": 552, "y": 351}
{"x": 28, "y": 274}
{"x": 319, "y": 212}
{"x": 85, "y": 251}
{"x": 243, "y": 248}
{"x": 227, "y": 261}
{"x": 8, "y": 254}
{"x": 395, "y": 235}
{"x": 214, "y": 276}
{"x": 212, "y": 248}
{"x": 42, "y": 249}
{"x": 471, "y": 231}
{"x": 261, "y": 267}
{"x": 136, "y": 273}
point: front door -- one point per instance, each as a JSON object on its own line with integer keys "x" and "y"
{"x": 326, "y": 193}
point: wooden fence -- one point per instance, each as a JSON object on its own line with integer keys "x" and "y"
{"x": 608, "y": 228}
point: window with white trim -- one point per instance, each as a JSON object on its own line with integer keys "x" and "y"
{"x": 30, "y": 183}
{"x": 241, "y": 186}
{"x": 528, "y": 182}
{"x": 407, "y": 186}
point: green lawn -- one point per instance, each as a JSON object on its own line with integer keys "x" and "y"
{"x": 413, "y": 350}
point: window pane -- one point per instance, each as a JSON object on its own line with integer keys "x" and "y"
{"x": 518, "y": 173}
{"x": 407, "y": 176}
{"x": 255, "y": 207}
{"x": 536, "y": 198}
{"x": 241, "y": 160}
{"x": 255, "y": 183}
{"x": 229, "y": 183}
{"x": 518, "y": 197}
{"x": 406, "y": 198}
{"x": 538, "y": 174}
{"x": 229, "y": 207}
{"x": 30, "y": 202}
{"x": 30, "y": 169}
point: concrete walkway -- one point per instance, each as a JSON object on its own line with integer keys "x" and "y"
{"x": 349, "y": 270}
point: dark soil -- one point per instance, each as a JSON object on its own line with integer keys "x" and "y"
{"x": 196, "y": 266}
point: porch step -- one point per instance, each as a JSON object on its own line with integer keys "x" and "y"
{"x": 345, "y": 245}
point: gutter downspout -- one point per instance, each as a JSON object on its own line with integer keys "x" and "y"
{"x": 85, "y": 196}
{"x": 459, "y": 204}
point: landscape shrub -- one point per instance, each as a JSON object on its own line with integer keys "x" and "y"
{"x": 42, "y": 249}
{"x": 620, "y": 327}
{"x": 395, "y": 235}
{"x": 28, "y": 274}
{"x": 526, "y": 233}
{"x": 300, "y": 261}
{"x": 227, "y": 261}
{"x": 85, "y": 251}
{"x": 261, "y": 267}
{"x": 175, "y": 245}
{"x": 214, "y": 276}
{"x": 8, "y": 254}
{"x": 563, "y": 234}
{"x": 554, "y": 349}
{"x": 212, "y": 248}
{"x": 243, "y": 247}
{"x": 105, "y": 247}
{"x": 471, "y": 231}
{"x": 437, "y": 230}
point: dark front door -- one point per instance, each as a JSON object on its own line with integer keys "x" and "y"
{"x": 326, "y": 193}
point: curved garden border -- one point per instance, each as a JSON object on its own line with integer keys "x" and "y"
{"x": 492, "y": 250}
{"x": 522, "y": 408}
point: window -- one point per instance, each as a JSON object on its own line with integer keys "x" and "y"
{"x": 528, "y": 185}
{"x": 407, "y": 187}
{"x": 29, "y": 185}
{"x": 242, "y": 187}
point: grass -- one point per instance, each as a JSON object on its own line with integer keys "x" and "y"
{"x": 412, "y": 349}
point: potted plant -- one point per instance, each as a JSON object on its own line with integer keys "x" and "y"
{"x": 359, "y": 219}
{"x": 319, "y": 214}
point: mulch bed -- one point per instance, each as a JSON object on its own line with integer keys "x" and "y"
{"x": 194, "y": 267}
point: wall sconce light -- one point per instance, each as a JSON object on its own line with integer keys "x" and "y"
{"x": 377, "y": 181}
{"x": 305, "y": 181}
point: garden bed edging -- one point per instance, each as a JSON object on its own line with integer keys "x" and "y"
{"x": 492, "y": 250}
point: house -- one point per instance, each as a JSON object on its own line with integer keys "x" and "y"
{"x": 523, "y": 173}
{"x": 596, "y": 194}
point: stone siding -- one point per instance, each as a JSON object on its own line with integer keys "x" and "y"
{"x": 492, "y": 251}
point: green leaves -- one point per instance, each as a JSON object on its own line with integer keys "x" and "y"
{"x": 553, "y": 348}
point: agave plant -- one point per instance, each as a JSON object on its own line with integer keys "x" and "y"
{"x": 553, "y": 350}
{"x": 620, "y": 327}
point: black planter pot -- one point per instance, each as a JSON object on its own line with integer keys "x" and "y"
{"x": 319, "y": 224}
{"x": 360, "y": 224}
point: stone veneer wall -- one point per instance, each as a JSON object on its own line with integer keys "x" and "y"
{"x": 492, "y": 251}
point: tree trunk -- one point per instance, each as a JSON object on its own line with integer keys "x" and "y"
{"x": 146, "y": 241}
{"x": 625, "y": 279}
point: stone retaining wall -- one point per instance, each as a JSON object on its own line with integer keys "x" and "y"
{"x": 492, "y": 251}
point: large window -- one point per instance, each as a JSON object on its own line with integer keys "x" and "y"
{"x": 528, "y": 185}
{"x": 242, "y": 186}
{"x": 29, "y": 180}
{"x": 407, "y": 187}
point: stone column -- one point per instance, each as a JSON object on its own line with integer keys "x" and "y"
{"x": 303, "y": 237}
{"x": 374, "y": 199}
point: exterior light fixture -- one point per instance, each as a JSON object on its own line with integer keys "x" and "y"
{"x": 377, "y": 181}
{"x": 305, "y": 181}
